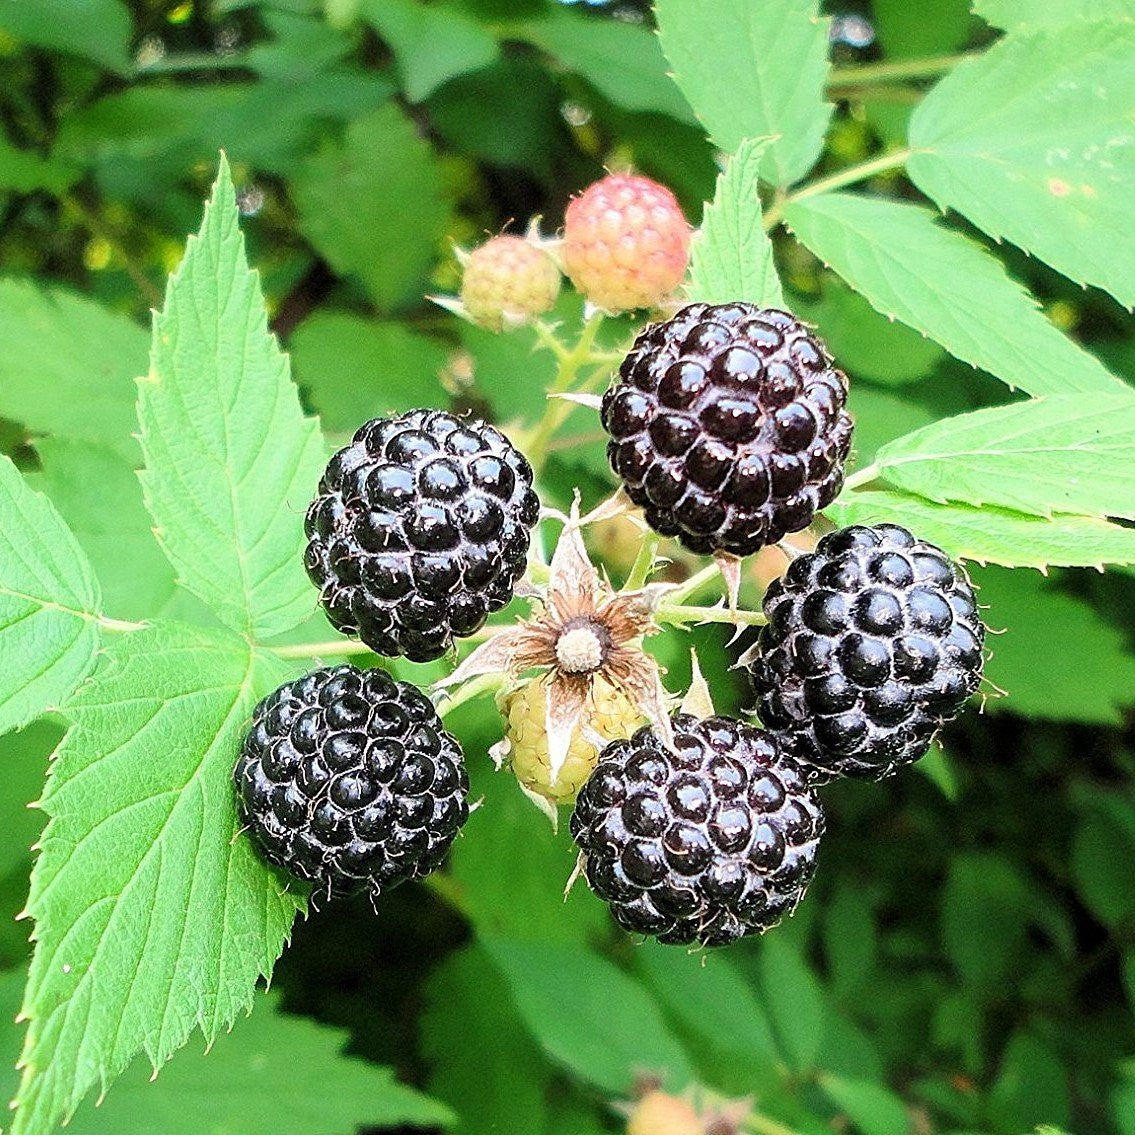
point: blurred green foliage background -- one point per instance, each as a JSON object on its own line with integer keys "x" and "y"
{"x": 965, "y": 961}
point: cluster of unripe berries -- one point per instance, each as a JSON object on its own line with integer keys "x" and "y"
{"x": 625, "y": 246}
{"x": 728, "y": 427}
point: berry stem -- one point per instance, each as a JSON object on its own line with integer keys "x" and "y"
{"x": 898, "y": 71}
{"x": 572, "y": 360}
{"x": 483, "y": 684}
{"x": 864, "y": 476}
{"x": 694, "y": 584}
{"x": 679, "y": 613}
{"x": 848, "y": 176}
{"x": 644, "y": 562}
{"x": 335, "y": 648}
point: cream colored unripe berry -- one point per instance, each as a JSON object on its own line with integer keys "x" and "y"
{"x": 509, "y": 281}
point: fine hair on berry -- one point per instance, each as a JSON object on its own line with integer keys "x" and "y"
{"x": 728, "y": 426}
{"x": 703, "y": 843}
{"x": 348, "y": 780}
{"x": 419, "y": 531}
{"x": 873, "y": 642}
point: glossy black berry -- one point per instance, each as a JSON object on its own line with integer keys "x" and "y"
{"x": 420, "y": 530}
{"x": 347, "y": 779}
{"x": 706, "y": 843}
{"x": 728, "y": 426}
{"x": 873, "y": 642}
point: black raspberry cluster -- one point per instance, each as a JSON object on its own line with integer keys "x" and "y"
{"x": 419, "y": 530}
{"x": 728, "y": 427}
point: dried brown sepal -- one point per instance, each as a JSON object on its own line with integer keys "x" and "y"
{"x": 580, "y": 630}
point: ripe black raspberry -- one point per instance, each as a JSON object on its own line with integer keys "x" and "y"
{"x": 728, "y": 426}
{"x": 420, "y": 530}
{"x": 348, "y": 780}
{"x": 706, "y": 843}
{"x": 873, "y": 643}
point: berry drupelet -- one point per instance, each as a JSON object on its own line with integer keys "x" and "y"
{"x": 348, "y": 780}
{"x": 704, "y": 843}
{"x": 419, "y": 531}
{"x": 873, "y": 642}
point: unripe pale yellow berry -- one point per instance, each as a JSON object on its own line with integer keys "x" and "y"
{"x": 509, "y": 281}
{"x": 610, "y": 715}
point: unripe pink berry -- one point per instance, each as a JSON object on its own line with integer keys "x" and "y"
{"x": 626, "y": 242}
{"x": 509, "y": 280}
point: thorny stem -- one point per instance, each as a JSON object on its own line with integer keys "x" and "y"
{"x": 898, "y": 71}
{"x": 644, "y": 561}
{"x": 848, "y": 176}
{"x": 693, "y": 585}
{"x": 679, "y": 613}
{"x": 572, "y": 360}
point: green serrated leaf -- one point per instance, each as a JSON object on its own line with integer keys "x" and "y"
{"x": 942, "y": 284}
{"x": 732, "y": 255}
{"x": 984, "y": 915}
{"x": 153, "y": 915}
{"x": 231, "y": 461}
{"x": 1032, "y": 1087}
{"x": 273, "y": 1073}
{"x": 469, "y": 1025}
{"x": 737, "y": 1034}
{"x": 1012, "y": 14}
{"x": 868, "y": 345}
{"x": 374, "y": 206}
{"x": 1091, "y": 677}
{"x": 994, "y": 535}
{"x": 49, "y": 604}
{"x": 432, "y": 44}
{"x": 354, "y": 369}
{"x": 527, "y": 902}
{"x": 752, "y": 71}
{"x": 589, "y": 1017}
{"x": 98, "y": 30}
{"x": 1034, "y": 142}
{"x": 1103, "y": 862}
{"x": 621, "y": 61}
{"x": 111, "y": 525}
{"x": 1061, "y": 453}
{"x": 88, "y": 357}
